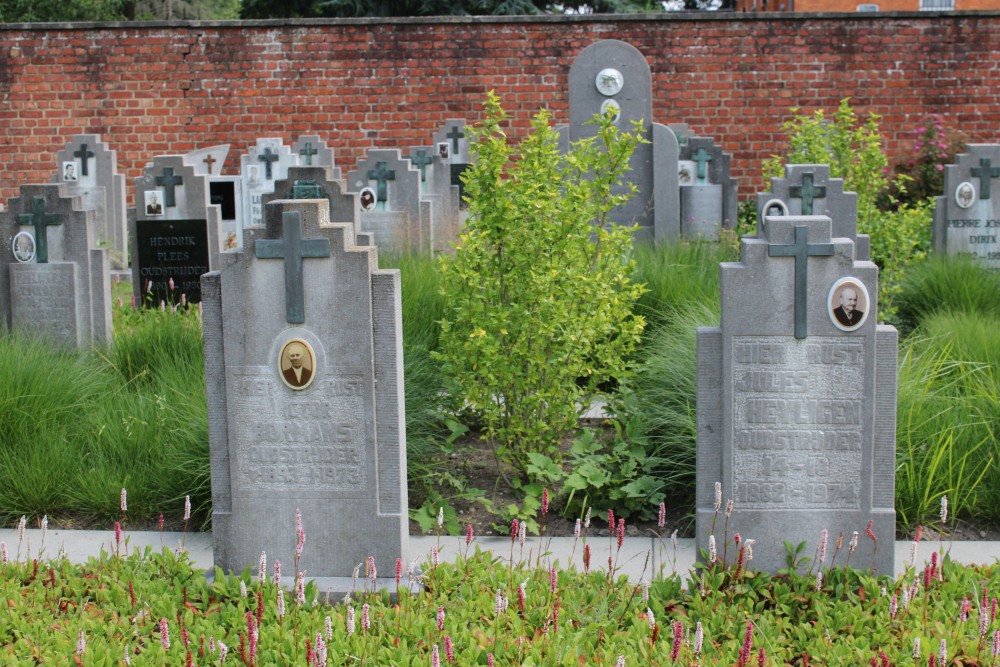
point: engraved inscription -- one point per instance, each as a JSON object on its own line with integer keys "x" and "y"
{"x": 797, "y": 422}
{"x": 975, "y": 238}
{"x": 46, "y": 301}
{"x": 306, "y": 442}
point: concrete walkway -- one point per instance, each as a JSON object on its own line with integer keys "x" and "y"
{"x": 639, "y": 557}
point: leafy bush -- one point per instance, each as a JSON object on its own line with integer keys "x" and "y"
{"x": 538, "y": 296}
{"x": 947, "y": 283}
{"x": 920, "y": 173}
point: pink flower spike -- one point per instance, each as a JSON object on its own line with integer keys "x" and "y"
{"x": 187, "y": 508}
{"x": 675, "y": 648}
{"x": 164, "y": 634}
{"x": 513, "y": 530}
{"x": 545, "y": 501}
{"x": 661, "y": 520}
{"x": 440, "y": 619}
{"x": 468, "y": 535}
{"x": 81, "y": 643}
{"x": 435, "y": 657}
{"x": 399, "y": 570}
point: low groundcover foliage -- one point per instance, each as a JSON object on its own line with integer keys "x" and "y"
{"x": 155, "y": 609}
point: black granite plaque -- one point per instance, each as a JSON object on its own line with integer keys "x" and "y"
{"x": 223, "y": 193}
{"x": 174, "y": 250}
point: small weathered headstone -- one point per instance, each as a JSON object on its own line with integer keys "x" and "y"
{"x": 306, "y": 411}
{"x": 55, "y": 282}
{"x": 451, "y": 143}
{"x": 397, "y": 216}
{"x": 314, "y": 152}
{"x": 90, "y": 170}
{"x": 264, "y": 164}
{"x": 319, "y": 183}
{"x": 808, "y": 189}
{"x": 176, "y": 235}
{"x": 967, "y": 217}
{"x": 447, "y": 213}
{"x": 707, "y": 191}
{"x": 797, "y": 399}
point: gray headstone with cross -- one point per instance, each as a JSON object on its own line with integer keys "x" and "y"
{"x": 392, "y": 209}
{"x": 707, "y": 191}
{"x": 451, "y": 143}
{"x": 447, "y": 214}
{"x": 55, "y": 281}
{"x": 306, "y": 412}
{"x": 808, "y": 189}
{"x": 319, "y": 183}
{"x": 612, "y": 76}
{"x": 264, "y": 164}
{"x": 967, "y": 216}
{"x": 796, "y": 398}
{"x": 90, "y": 170}
{"x": 176, "y": 234}
{"x": 312, "y": 151}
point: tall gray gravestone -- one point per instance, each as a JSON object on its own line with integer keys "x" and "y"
{"x": 797, "y": 397}
{"x": 707, "y": 191}
{"x": 314, "y": 152}
{"x": 304, "y": 375}
{"x": 226, "y": 192}
{"x": 89, "y": 169}
{"x": 611, "y": 75}
{"x": 967, "y": 217}
{"x": 266, "y": 163}
{"x": 452, "y": 144}
{"x": 319, "y": 183}
{"x": 436, "y": 187}
{"x": 176, "y": 234}
{"x": 808, "y": 189}
{"x": 55, "y": 282}
{"x": 392, "y": 209}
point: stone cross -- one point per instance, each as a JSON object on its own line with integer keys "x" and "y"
{"x": 40, "y": 219}
{"x": 267, "y": 157}
{"x": 801, "y": 250}
{"x": 421, "y": 159}
{"x": 807, "y": 192}
{"x": 383, "y": 176}
{"x": 702, "y": 157}
{"x": 308, "y": 152}
{"x": 292, "y": 248}
{"x": 84, "y": 156}
{"x": 169, "y": 182}
{"x": 455, "y": 134}
{"x": 984, "y": 172}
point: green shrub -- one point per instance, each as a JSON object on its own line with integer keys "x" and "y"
{"x": 947, "y": 283}
{"x": 538, "y": 296}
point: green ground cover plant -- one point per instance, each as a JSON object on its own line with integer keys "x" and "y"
{"x": 154, "y": 608}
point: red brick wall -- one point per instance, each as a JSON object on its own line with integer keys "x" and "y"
{"x": 152, "y": 89}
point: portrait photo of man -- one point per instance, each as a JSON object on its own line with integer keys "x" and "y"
{"x": 297, "y": 361}
{"x": 69, "y": 171}
{"x": 851, "y": 300}
{"x": 367, "y": 199}
{"x": 965, "y": 194}
{"x": 153, "y": 205}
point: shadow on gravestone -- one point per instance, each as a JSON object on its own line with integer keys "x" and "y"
{"x": 176, "y": 235}
{"x": 797, "y": 399}
{"x": 306, "y": 412}
{"x": 54, "y": 282}
{"x": 90, "y": 170}
{"x": 967, "y": 216}
{"x": 808, "y": 189}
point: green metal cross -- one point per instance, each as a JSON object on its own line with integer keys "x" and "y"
{"x": 702, "y": 158}
{"x": 292, "y": 248}
{"x": 421, "y": 159}
{"x": 84, "y": 156}
{"x": 383, "y": 176}
{"x": 801, "y": 250}
{"x": 307, "y": 190}
{"x": 169, "y": 182}
{"x": 308, "y": 152}
{"x": 267, "y": 158}
{"x": 985, "y": 172}
{"x": 807, "y": 192}
{"x": 40, "y": 220}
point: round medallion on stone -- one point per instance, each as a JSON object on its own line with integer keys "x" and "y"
{"x": 612, "y": 107}
{"x": 965, "y": 194}
{"x": 23, "y": 247}
{"x": 848, "y": 304}
{"x": 609, "y": 81}
{"x": 297, "y": 364}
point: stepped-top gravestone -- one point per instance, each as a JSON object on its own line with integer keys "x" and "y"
{"x": 208, "y": 161}
{"x": 314, "y": 152}
{"x": 176, "y": 235}
{"x": 436, "y": 187}
{"x": 707, "y": 191}
{"x": 611, "y": 76}
{"x": 265, "y": 164}
{"x": 452, "y": 143}
{"x": 304, "y": 375}
{"x": 967, "y": 217}
{"x": 797, "y": 398}
{"x": 89, "y": 169}
{"x": 55, "y": 282}
{"x": 392, "y": 209}
{"x": 808, "y": 189}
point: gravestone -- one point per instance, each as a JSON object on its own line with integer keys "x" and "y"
{"x": 176, "y": 235}
{"x": 967, "y": 217}
{"x": 451, "y": 143}
{"x": 318, "y": 183}
{"x": 260, "y": 168}
{"x": 311, "y": 151}
{"x": 208, "y": 161}
{"x": 447, "y": 215}
{"x": 808, "y": 189}
{"x": 797, "y": 397}
{"x": 391, "y": 206}
{"x": 707, "y": 191}
{"x": 55, "y": 282}
{"x": 226, "y": 192}
{"x": 326, "y": 437}
{"x": 612, "y": 75}
{"x": 90, "y": 170}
